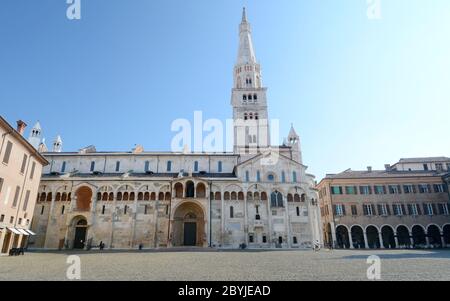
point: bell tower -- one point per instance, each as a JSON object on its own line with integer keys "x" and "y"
{"x": 251, "y": 121}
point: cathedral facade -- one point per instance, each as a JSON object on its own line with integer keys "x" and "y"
{"x": 258, "y": 195}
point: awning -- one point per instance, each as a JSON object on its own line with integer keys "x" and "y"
{"x": 30, "y": 232}
{"x": 23, "y": 232}
{"x": 14, "y": 230}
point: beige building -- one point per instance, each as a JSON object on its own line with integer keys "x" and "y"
{"x": 20, "y": 173}
{"x": 391, "y": 208}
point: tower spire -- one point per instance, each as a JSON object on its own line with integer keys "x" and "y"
{"x": 244, "y": 15}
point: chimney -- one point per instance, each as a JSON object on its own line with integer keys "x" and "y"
{"x": 21, "y": 127}
{"x": 369, "y": 168}
{"x": 387, "y": 167}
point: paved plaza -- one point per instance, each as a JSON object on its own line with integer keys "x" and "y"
{"x": 192, "y": 265}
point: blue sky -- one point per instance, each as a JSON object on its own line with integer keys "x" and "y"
{"x": 360, "y": 92}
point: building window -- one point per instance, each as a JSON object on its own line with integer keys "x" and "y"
{"x": 103, "y": 209}
{"x": 7, "y": 152}
{"x": 297, "y": 210}
{"x": 336, "y": 190}
{"x": 339, "y": 210}
{"x": 350, "y": 189}
{"x": 125, "y": 209}
{"x": 408, "y": 188}
{"x": 33, "y": 167}
{"x": 42, "y": 210}
{"x": 368, "y": 209}
{"x": 439, "y": 188}
{"x": 117, "y": 166}
{"x": 428, "y": 209}
{"x": 365, "y": 190}
{"x": 270, "y": 178}
{"x": 24, "y": 163}
{"x": 439, "y": 167}
{"x": 231, "y": 212}
{"x": 294, "y": 177}
{"x": 398, "y": 209}
{"x": 1, "y": 185}
{"x": 383, "y": 210}
{"x": 276, "y": 199}
{"x": 11, "y": 220}
{"x": 424, "y": 188}
{"x": 258, "y": 176}
{"x": 169, "y": 165}
{"x": 394, "y": 189}
{"x": 146, "y": 166}
{"x": 219, "y": 166}
{"x": 16, "y": 196}
{"x": 264, "y": 239}
{"x": 196, "y": 166}
{"x": 283, "y": 177}
{"x": 92, "y": 166}
{"x": 425, "y": 167}
{"x": 247, "y": 176}
{"x": 2, "y": 218}
{"x": 20, "y": 221}
{"x": 294, "y": 240}
{"x": 354, "y": 210}
{"x": 25, "y": 202}
{"x": 250, "y": 238}
{"x": 63, "y": 167}
{"x": 63, "y": 209}
{"x": 380, "y": 189}
{"x": 145, "y": 209}
{"x": 413, "y": 209}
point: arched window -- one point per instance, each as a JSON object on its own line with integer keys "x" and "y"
{"x": 273, "y": 199}
{"x": 147, "y": 166}
{"x": 226, "y": 196}
{"x": 111, "y": 196}
{"x": 217, "y": 196}
{"x": 290, "y": 198}
{"x": 178, "y": 190}
{"x": 276, "y": 199}
{"x": 132, "y": 196}
{"x": 256, "y": 116}
{"x": 283, "y": 177}
{"x": 258, "y": 176}
{"x": 196, "y": 166}
{"x": 245, "y": 116}
{"x": 140, "y": 196}
{"x": 247, "y": 176}
{"x": 270, "y": 178}
{"x": 250, "y": 116}
{"x": 244, "y": 97}
{"x": 263, "y": 196}
{"x": 63, "y": 167}
{"x": 250, "y": 97}
{"x": 125, "y": 196}
{"x": 201, "y": 190}
{"x": 231, "y": 212}
{"x": 147, "y": 196}
{"x": 167, "y": 196}
{"x": 240, "y": 196}
{"x": 219, "y": 166}
{"x": 169, "y": 166}
{"x": 190, "y": 189}
{"x": 249, "y": 196}
{"x": 296, "y": 198}
{"x": 255, "y": 97}
{"x": 294, "y": 177}
{"x": 119, "y": 196}
{"x": 161, "y": 196}
{"x": 233, "y": 196}
{"x": 104, "y": 196}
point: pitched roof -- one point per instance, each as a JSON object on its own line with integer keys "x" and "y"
{"x": 423, "y": 159}
{"x": 351, "y": 174}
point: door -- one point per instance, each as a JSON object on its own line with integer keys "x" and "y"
{"x": 190, "y": 234}
{"x": 80, "y": 237}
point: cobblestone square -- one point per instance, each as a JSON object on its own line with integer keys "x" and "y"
{"x": 229, "y": 265}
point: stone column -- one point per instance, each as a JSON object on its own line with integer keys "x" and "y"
{"x": 442, "y": 239}
{"x": 380, "y": 237}
{"x": 269, "y": 217}
{"x": 396, "y": 240}
{"x": 113, "y": 217}
{"x": 245, "y": 219}
{"x": 287, "y": 222}
{"x": 365, "y": 240}
{"x": 350, "y": 239}
{"x": 222, "y": 218}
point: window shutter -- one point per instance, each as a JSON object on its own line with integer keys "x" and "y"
{"x": 419, "y": 210}
{"x": 343, "y": 210}
{"x": 380, "y": 211}
{"x": 388, "y": 209}
{"x": 365, "y": 210}
{"x": 404, "y": 210}
{"x": 410, "y": 210}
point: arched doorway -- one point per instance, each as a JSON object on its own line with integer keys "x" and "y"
{"x": 446, "y": 231}
{"x": 373, "y": 238}
{"x": 418, "y": 234}
{"x": 387, "y": 234}
{"x": 188, "y": 225}
{"x": 80, "y": 234}
{"x": 403, "y": 237}
{"x": 342, "y": 237}
{"x": 358, "y": 237}
{"x": 434, "y": 235}
{"x": 84, "y": 196}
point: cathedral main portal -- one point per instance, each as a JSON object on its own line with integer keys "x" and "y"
{"x": 188, "y": 225}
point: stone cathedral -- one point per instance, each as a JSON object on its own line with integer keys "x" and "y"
{"x": 258, "y": 195}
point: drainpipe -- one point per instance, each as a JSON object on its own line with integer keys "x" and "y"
{"x": 170, "y": 212}
{"x": 210, "y": 214}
